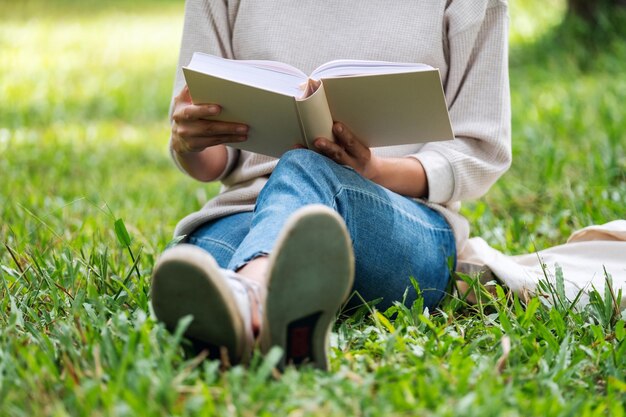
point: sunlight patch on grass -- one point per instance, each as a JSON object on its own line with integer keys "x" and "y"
{"x": 107, "y": 66}
{"x": 109, "y": 131}
{"x": 530, "y": 19}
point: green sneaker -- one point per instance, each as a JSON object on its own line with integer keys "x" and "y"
{"x": 187, "y": 281}
{"x": 311, "y": 273}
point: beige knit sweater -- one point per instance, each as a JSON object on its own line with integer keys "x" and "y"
{"x": 465, "y": 39}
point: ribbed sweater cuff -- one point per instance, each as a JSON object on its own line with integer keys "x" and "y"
{"x": 439, "y": 174}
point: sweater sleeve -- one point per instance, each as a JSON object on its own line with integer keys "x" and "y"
{"x": 478, "y": 96}
{"x": 206, "y": 29}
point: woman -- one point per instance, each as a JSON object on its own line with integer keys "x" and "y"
{"x": 273, "y": 256}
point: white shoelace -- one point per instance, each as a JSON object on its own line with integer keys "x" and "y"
{"x": 243, "y": 289}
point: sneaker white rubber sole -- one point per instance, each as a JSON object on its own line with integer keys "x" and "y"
{"x": 311, "y": 273}
{"x": 187, "y": 281}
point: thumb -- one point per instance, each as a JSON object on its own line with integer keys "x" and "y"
{"x": 184, "y": 95}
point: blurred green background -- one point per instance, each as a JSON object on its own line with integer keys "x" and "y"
{"x": 85, "y": 87}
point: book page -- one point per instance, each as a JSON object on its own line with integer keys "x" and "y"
{"x": 346, "y": 67}
{"x": 275, "y": 66}
{"x": 268, "y": 75}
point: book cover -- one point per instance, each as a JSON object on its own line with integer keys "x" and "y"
{"x": 383, "y": 103}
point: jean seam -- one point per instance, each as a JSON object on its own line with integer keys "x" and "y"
{"x": 195, "y": 240}
{"x": 399, "y": 210}
{"x": 334, "y": 199}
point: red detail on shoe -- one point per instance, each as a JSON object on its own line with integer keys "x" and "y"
{"x": 300, "y": 345}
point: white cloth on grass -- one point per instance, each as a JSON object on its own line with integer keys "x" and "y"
{"x": 588, "y": 253}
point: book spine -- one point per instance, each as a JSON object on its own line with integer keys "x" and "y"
{"x": 315, "y": 118}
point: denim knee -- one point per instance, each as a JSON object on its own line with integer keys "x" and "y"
{"x": 302, "y": 177}
{"x": 303, "y": 165}
{"x": 304, "y": 161}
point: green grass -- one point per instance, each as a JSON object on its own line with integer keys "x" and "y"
{"x": 84, "y": 94}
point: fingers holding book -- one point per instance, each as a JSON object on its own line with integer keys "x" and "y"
{"x": 193, "y": 129}
{"x": 348, "y": 150}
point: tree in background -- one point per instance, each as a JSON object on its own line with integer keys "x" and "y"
{"x": 594, "y": 11}
{"x": 594, "y": 24}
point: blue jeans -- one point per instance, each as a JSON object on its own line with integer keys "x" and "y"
{"x": 394, "y": 237}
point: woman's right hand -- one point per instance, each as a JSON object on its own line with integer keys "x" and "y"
{"x": 193, "y": 130}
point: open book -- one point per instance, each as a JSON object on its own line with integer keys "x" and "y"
{"x": 383, "y": 103}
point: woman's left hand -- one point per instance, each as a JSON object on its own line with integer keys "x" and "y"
{"x": 405, "y": 176}
{"x": 348, "y": 150}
